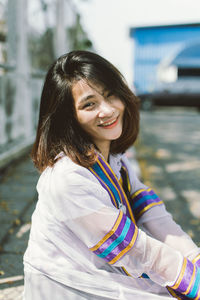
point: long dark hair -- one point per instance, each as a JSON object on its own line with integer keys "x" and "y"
{"x": 58, "y": 129}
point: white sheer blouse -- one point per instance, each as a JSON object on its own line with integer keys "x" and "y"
{"x": 73, "y": 215}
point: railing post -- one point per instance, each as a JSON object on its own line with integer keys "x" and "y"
{"x": 18, "y": 56}
{"x": 61, "y": 44}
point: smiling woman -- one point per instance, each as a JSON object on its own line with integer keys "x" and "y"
{"x": 98, "y": 232}
{"x": 99, "y": 113}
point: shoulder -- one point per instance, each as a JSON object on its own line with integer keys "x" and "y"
{"x": 118, "y": 161}
{"x": 71, "y": 190}
{"x": 66, "y": 168}
{"x": 68, "y": 177}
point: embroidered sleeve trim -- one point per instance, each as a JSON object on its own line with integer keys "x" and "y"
{"x": 188, "y": 282}
{"x": 118, "y": 241}
{"x": 196, "y": 260}
{"x": 175, "y": 295}
{"x": 143, "y": 200}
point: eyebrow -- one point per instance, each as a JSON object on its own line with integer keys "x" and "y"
{"x": 84, "y": 99}
{"x": 90, "y": 96}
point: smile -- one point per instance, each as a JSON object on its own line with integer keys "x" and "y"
{"x": 109, "y": 124}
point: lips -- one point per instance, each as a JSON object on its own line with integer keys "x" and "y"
{"x": 109, "y": 124}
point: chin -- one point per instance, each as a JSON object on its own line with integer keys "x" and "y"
{"x": 116, "y": 136}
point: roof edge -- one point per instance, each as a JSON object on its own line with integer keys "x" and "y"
{"x": 132, "y": 29}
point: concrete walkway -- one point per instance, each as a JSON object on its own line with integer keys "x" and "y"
{"x": 17, "y": 201}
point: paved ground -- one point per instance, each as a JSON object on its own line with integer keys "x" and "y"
{"x": 169, "y": 157}
{"x": 17, "y": 201}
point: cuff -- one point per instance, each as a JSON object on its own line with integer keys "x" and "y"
{"x": 196, "y": 260}
{"x": 188, "y": 282}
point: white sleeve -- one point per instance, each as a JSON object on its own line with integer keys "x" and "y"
{"x": 165, "y": 229}
{"x": 82, "y": 205}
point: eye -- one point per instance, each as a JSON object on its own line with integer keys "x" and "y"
{"x": 110, "y": 94}
{"x": 88, "y": 105}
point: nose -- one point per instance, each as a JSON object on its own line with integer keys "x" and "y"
{"x": 105, "y": 110}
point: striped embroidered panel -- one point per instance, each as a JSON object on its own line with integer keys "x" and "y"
{"x": 118, "y": 241}
{"x": 107, "y": 178}
{"x": 143, "y": 200}
{"x": 188, "y": 282}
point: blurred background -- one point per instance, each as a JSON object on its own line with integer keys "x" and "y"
{"x": 156, "y": 46}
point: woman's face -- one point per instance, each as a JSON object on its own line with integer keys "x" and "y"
{"x": 99, "y": 113}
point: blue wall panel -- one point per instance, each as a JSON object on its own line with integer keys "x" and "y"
{"x": 152, "y": 45}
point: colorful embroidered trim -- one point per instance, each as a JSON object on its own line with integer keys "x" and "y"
{"x": 107, "y": 178}
{"x": 188, "y": 282}
{"x": 196, "y": 260}
{"x": 175, "y": 294}
{"x": 143, "y": 200}
{"x": 126, "y": 272}
{"x": 118, "y": 241}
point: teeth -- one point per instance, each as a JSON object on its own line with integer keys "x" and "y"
{"x": 109, "y": 123}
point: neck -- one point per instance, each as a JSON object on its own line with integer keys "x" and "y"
{"x": 104, "y": 149}
{"x": 105, "y": 155}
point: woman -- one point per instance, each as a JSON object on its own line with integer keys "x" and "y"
{"x": 97, "y": 231}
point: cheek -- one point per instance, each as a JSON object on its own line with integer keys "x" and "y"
{"x": 84, "y": 119}
{"x": 80, "y": 116}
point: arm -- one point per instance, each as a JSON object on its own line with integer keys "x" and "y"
{"x": 165, "y": 229}
{"x": 157, "y": 221}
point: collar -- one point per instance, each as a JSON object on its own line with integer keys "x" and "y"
{"x": 116, "y": 164}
